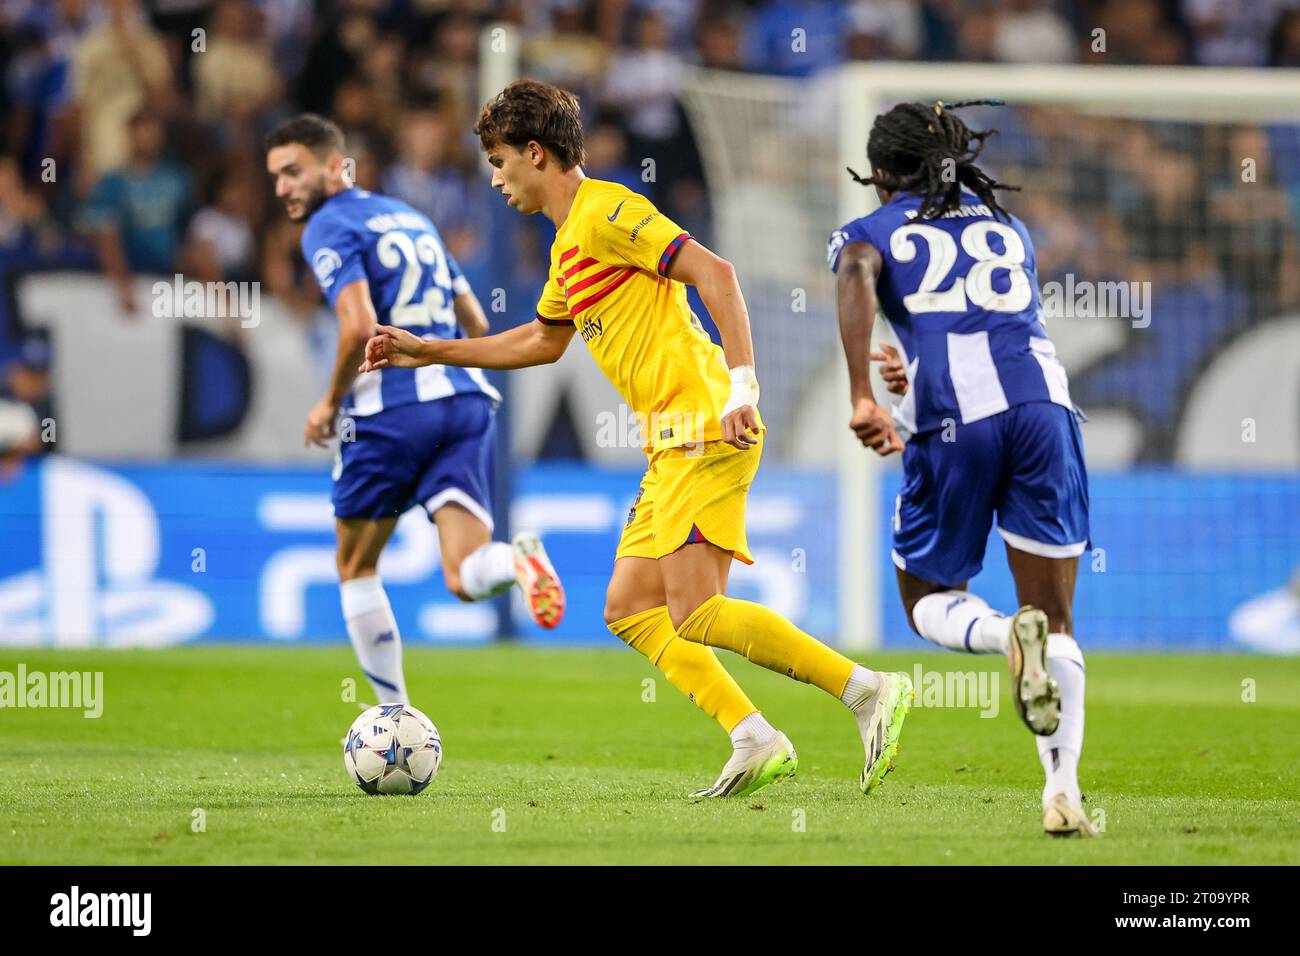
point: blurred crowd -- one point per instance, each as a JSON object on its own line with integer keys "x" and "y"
{"x": 1166, "y": 202}
{"x": 132, "y": 130}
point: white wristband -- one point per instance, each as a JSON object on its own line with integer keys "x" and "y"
{"x": 744, "y": 389}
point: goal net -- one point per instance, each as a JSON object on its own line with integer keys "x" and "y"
{"x": 1162, "y": 203}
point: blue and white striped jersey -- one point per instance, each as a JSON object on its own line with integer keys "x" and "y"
{"x": 357, "y": 234}
{"x": 961, "y": 293}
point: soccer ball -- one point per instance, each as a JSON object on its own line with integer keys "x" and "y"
{"x": 392, "y": 748}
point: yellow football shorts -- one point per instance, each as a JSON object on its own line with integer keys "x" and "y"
{"x": 690, "y": 495}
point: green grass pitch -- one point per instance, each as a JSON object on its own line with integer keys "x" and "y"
{"x": 554, "y": 756}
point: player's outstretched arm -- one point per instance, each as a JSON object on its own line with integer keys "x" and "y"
{"x": 533, "y": 343}
{"x": 470, "y": 315}
{"x": 855, "y": 292}
{"x": 356, "y": 315}
{"x": 715, "y": 279}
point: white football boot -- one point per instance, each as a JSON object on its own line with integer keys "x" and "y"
{"x": 1036, "y": 696}
{"x": 880, "y": 722}
{"x": 1064, "y": 817}
{"x": 753, "y": 768}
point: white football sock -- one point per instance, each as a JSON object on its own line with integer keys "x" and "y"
{"x": 487, "y": 571}
{"x": 752, "y": 731}
{"x": 961, "y": 621}
{"x": 373, "y": 632}
{"x": 861, "y": 687}
{"x": 1060, "y": 752}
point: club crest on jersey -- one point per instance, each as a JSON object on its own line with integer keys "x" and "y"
{"x": 833, "y": 247}
{"x": 325, "y": 263}
{"x": 631, "y": 515}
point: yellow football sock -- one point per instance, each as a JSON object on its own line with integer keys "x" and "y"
{"x": 691, "y": 668}
{"x": 767, "y": 639}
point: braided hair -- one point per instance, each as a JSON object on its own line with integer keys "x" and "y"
{"x": 929, "y": 150}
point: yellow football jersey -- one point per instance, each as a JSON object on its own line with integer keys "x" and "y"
{"x": 607, "y": 279}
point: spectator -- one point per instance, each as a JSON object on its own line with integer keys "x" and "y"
{"x": 220, "y": 246}
{"x": 977, "y": 34}
{"x": 339, "y": 46}
{"x": 235, "y": 79}
{"x": 939, "y": 30}
{"x": 883, "y": 30}
{"x": 288, "y": 26}
{"x": 381, "y": 70}
{"x": 643, "y": 83}
{"x": 1030, "y": 31}
{"x": 425, "y": 177}
{"x": 25, "y": 406}
{"x": 356, "y": 110}
{"x": 720, "y": 45}
{"x": 39, "y": 82}
{"x": 19, "y": 437}
{"x": 27, "y": 379}
{"x": 607, "y": 156}
{"x": 1284, "y": 44}
{"x": 449, "y": 71}
{"x": 422, "y": 175}
{"x": 679, "y": 18}
{"x": 367, "y": 168}
{"x": 137, "y": 213}
{"x": 1251, "y": 216}
{"x": 1230, "y": 32}
{"x": 1164, "y": 226}
{"x": 642, "y": 86}
{"x": 27, "y": 231}
{"x": 285, "y": 273}
{"x": 178, "y": 22}
{"x": 796, "y": 37}
{"x": 119, "y": 70}
{"x": 1132, "y": 31}
{"x": 568, "y": 56}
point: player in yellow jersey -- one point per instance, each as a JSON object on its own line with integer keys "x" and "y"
{"x": 618, "y": 275}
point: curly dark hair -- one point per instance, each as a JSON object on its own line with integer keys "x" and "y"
{"x": 928, "y": 150}
{"x": 530, "y": 110}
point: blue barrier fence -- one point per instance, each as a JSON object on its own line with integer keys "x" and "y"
{"x": 1173, "y": 557}
{"x": 95, "y": 554}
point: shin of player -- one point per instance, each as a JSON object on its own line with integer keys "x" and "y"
{"x": 1044, "y": 658}
{"x": 372, "y": 629}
